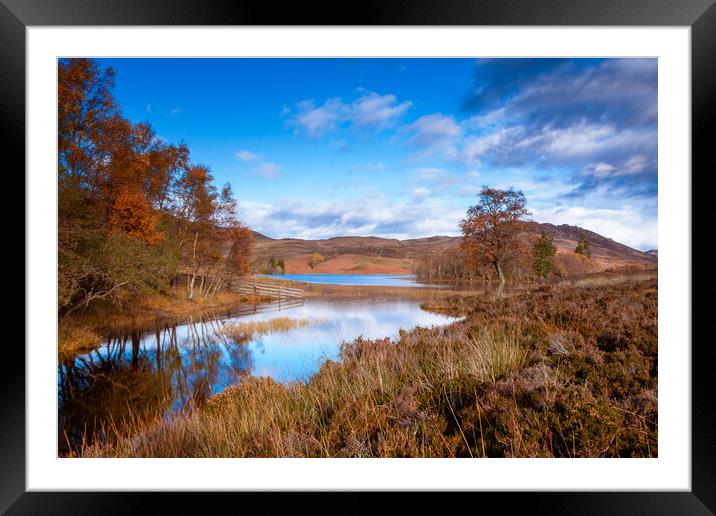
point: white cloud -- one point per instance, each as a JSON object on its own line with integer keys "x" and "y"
{"x": 575, "y": 141}
{"x": 476, "y": 147}
{"x": 244, "y": 155}
{"x": 370, "y": 111}
{"x": 627, "y": 225}
{"x": 316, "y": 121}
{"x": 264, "y": 168}
{"x": 490, "y": 118}
{"x": 420, "y": 191}
{"x": 632, "y": 166}
{"x": 601, "y": 170}
{"x": 361, "y": 216}
{"x": 376, "y": 111}
{"x": 384, "y": 217}
{"x": 434, "y": 133}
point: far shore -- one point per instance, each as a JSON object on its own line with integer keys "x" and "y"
{"x": 82, "y": 331}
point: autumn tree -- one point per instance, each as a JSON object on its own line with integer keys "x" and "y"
{"x": 241, "y": 245}
{"x": 491, "y": 227}
{"x": 214, "y": 243}
{"x": 86, "y": 110}
{"x": 315, "y": 259}
{"x": 543, "y": 251}
{"x": 132, "y": 208}
{"x": 195, "y": 198}
{"x": 449, "y": 263}
{"x": 100, "y": 205}
{"x": 227, "y": 232}
{"x": 583, "y": 248}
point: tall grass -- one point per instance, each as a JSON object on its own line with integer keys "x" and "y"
{"x": 74, "y": 337}
{"x": 558, "y": 372}
{"x": 375, "y": 384}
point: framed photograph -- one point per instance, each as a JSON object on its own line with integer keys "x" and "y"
{"x": 430, "y": 247}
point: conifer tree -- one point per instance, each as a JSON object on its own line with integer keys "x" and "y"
{"x": 583, "y": 248}
{"x": 543, "y": 251}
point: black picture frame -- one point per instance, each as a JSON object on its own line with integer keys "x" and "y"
{"x": 700, "y": 15}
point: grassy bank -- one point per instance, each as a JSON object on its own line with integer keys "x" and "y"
{"x": 82, "y": 330}
{"x": 558, "y": 371}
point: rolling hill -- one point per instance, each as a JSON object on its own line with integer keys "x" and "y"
{"x": 375, "y": 255}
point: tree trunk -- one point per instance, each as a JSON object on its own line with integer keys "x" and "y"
{"x": 190, "y": 284}
{"x": 500, "y": 275}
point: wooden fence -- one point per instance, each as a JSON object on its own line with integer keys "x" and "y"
{"x": 265, "y": 289}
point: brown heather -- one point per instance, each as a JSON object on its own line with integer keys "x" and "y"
{"x": 559, "y": 371}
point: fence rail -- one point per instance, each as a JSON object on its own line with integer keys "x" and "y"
{"x": 264, "y": 289}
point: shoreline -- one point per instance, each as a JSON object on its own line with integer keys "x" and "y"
{"x": 512, "y": 361}
{"x": 82, "y": 332}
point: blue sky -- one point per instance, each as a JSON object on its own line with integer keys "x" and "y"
{"x": 316, "y": 148}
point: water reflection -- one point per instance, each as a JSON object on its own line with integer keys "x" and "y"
{"x": 174, "y": 366}
{"x": 366, "y": 280}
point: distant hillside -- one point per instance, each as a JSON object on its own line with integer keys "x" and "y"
{"x": 375, "y": 255}
{"x": 566, "y": 238}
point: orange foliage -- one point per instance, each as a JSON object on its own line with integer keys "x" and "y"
{"x": 131, "y": 214}
{"x": 242, "y": 247}
{"x": 116, "y": 177}
{"x": 491, "y": 227}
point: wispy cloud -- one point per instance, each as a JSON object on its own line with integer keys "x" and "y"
{"x": 628, "y": 225}
{"x": 244, "y": 155}
{"x": 421, "y": 192}
{"x": 364, "y": 216}
{"x": 316, "y": 121}
{"x": 578, "y": 136}
{"x": 377, "y": 111}
{"x": 261, "y": 166}
{"x": 594, "y": 116}
{"x": 371, "y": 111}
{"x": 435, "y": 133}
{"x": 380, "y": 216}
{"x": 597, "y": 118}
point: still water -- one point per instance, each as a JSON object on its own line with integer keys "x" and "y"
{"x": 377, "y": 280}
{"x": 175, "y": 365}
